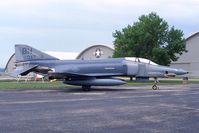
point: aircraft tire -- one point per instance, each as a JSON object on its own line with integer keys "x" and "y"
{"x": 86, "y": 87}
{"x": 154, "y": 87}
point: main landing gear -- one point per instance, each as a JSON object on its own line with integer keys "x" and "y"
{"x": 86, "y": 87}
{"x": 155, "y": 87}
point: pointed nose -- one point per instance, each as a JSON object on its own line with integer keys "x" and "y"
{"x": 182, "y": 72}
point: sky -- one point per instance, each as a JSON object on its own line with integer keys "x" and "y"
{"x": 73, "y": 25}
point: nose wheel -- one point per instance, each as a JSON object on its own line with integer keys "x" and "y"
{"x": 155, "y": 87}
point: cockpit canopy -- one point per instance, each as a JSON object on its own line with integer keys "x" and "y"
{"x": 142, "y": 60}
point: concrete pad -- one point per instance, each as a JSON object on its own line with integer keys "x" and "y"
{"x": 103, "y": 109}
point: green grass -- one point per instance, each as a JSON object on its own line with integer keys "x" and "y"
{"x": 60, "y": 85}
{"x": 31, "y": 85}
{"x": 162, "y": 82}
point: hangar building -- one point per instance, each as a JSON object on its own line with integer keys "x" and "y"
{"x": 93, "y": 52}
{"x": 190, "y": 60}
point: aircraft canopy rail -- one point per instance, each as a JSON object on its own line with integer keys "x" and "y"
{"x": 142, "y": 60}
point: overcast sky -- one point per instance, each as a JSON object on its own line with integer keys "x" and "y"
{"x": 63, "y": 25}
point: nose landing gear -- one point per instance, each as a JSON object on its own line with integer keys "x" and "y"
{"x": 156, "y": 81}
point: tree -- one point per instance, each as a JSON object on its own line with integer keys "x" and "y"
{"x": 150, "y": 38}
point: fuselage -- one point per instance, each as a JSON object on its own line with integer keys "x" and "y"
{"x": 107, "y": 67}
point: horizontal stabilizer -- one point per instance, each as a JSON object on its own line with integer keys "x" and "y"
{"x": 22, "y": 70}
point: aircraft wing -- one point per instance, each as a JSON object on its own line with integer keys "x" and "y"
{"x": 62, "y": 75}
{"x": 104, "y": 74}
{"x": 86, "y": 79}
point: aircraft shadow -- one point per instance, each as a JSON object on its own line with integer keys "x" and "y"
{"x": 73, "y": 90}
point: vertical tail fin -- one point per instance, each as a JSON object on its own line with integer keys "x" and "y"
{"x": 27, "y": 53}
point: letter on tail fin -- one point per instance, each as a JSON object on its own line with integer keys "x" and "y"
{"x": 27, "y": 53}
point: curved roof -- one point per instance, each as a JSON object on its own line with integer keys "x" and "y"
{"x": 63, "y": 55}
{"x": 9, "y": 61}
{"x": 192, "y": 36}
{"x": 109, "y": 47}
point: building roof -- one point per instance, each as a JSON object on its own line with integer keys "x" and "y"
{"x": 191, "y": 36}
{"x": 101, "y": 45}
{"x": 63, "y": 55}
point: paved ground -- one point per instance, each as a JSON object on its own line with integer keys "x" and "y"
{"x": 173, "y": 109}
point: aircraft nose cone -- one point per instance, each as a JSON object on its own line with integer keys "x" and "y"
{"x": 182, "y": 72}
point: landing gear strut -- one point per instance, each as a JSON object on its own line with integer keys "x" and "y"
{"x": 86, "y": 87}
{"x": 155, "y": 87}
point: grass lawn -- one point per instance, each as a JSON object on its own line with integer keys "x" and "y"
{"x": 31, "y": 85}
{"x": 163, "y": 82}
{"x": 57, "y": 85}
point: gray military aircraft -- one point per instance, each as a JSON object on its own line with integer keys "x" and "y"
{"x": 87, "y": 73}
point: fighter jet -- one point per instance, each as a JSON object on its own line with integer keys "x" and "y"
{"x": 87, "y": 73}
